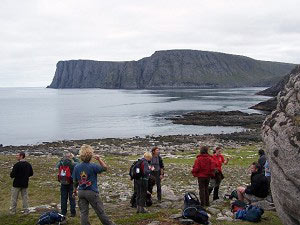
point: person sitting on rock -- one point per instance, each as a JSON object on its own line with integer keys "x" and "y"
{"x": 259, "y": 187}
{"x": 216, "y": 180}
{"x": 204, "y": 168}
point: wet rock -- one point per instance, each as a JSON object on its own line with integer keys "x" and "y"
{"x": 281, "y": 134}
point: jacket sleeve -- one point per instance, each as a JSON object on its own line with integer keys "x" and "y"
{"x": 13, "y": 172}
{"x": 161, "y": 163}
{"x": 147, "y": 171}
{"x": 31, "y": 171}
{"x": 195, "y": 168}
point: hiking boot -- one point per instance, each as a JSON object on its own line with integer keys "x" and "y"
{"x": 143, "y": 210}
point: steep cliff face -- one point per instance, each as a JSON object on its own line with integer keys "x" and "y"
{"x": 281, "y": 134}
{"x": 271, "y": 104}
{"x": 170, "y": 69}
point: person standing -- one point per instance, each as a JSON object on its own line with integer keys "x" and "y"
{"x": 142, "y": 183}
{"x": 85, "y": 179}
{"x": 262, "y": 160}
{"x": 216, "y": 180}
{"x": 65, "y": 168}
{"x": 158, "y": 170}
{"x": 21, "y": 172}
{"x": 203, "y": 169}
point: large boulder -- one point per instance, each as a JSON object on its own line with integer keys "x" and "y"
{"x": 281, "y": 135}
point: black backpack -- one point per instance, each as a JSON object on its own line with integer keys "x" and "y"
{"x": 193, "y": 209}
{"x": 135, "y": 171}
{"x": 52, "y": 217}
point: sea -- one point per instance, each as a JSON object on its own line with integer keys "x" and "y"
{"x": 35, "y": 115}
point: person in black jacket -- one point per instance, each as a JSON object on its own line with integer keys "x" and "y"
{"x": 157, "y": 170}
{"x": 259, "y": 187}
{"x": 262, "y": 160}
{"x": 21, "y": 172}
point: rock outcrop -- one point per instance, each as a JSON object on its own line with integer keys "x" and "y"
{"x": 170, "y": 69}
{"x": 273, "y": 91}
{"x": 281, "y": 134}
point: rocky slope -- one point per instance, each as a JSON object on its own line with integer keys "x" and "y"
{"x": 271, "y": 104}
{"x": 281, "y": 134}
{"x": 170, "y": 69}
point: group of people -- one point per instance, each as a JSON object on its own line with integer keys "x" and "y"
{"x": 80, "y": 179}
{"x": 208, "y": 169}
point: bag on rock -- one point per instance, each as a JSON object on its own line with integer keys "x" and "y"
{"x": 51, "y": 218}
{"x": 251, "y": 213}
{"x": 193, "y": 210}
{"x": 238, "y": 205}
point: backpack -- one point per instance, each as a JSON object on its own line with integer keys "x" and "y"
{"x": 238, "y": 205}
{"x": 193, "y": 210}
{"x": 233, "y": 194}
{"x": 64, "y": 174}
{"x": 51, "y": 218}
{"x": 251, "y": 213}
{"x": 135, "y": 171}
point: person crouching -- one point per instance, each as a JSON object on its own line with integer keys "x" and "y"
{"x": 203, "y": 169}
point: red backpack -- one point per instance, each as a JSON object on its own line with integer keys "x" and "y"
{"x": 64, "y": 175}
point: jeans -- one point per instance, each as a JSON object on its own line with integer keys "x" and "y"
{"x": 87, "y": 197}
{"x": 203, "y": 191}
{"x": 66, "y": 191}
{"x": 14, "y": 198}
{"x": 156, "y": 174}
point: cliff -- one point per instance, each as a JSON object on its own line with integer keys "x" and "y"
{"x": 271, "y": 104}
{"x": 170, "y": 69}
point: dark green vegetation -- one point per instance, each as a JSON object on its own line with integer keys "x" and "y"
{"x": 44, "y": 189}
{"x": 170, "y": 69}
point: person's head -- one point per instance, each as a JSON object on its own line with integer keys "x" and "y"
{"x": 261, "y": 152}
{"x": 255, "y": 167}
{"x": 148, "y": 156}
{"x": 86, "y": 153}
{"x": 218, "y": 150}
{"x": 204, "y": 150}
{"x": 155, "y": 151}
{"x": 20, "y": 156}
{"x": 68, "y": 155}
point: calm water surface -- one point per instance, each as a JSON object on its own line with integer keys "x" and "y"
{"x": 34, "y": 115}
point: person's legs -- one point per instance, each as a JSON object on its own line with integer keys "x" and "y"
{"x": 72, "y": 200}
{"x": 96, "y": 203}
{"x": 24, "y": 195}
{"x": 206, "y": 192}
{"x": 212, "y": 184}
{"x": 138, "y": 193}
{"x": 216, "y": 188}
{"x": 14, "y": 199}
{"x": 64, "y": 198}
{"x": 143, "y": 197}
{"x": 241, "y": 192}
{"x": 201, "y": 183}
{"x": 84, "y": 208}
{"x": 158, "y": 185}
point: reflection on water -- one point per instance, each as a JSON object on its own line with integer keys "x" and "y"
{"x": 31, "y": 115}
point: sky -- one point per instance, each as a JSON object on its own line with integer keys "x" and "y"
{"x": 36, "y": 34}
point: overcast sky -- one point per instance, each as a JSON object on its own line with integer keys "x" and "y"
{"x": 36, "y": 34}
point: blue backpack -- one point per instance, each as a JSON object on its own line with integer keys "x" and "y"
{"x": 193, "y": 210}
{"x": 51, "y": 218}
{"x": 251, "y": 213}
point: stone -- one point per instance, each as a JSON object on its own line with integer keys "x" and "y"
{"x": 186, "y": 221}
{"x": 265, "y": 205}
{"x": 154, "y": 223}
{"x": 281, "y": 135}
{"x": 213, "y": 210}
{"x": 175, "y": 216}
{"x": 224, "y": 218}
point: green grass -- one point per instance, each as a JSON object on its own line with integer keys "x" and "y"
{"x": 44, "y": 188}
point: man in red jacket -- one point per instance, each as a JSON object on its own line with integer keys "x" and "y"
{"x": 204, "y": 168}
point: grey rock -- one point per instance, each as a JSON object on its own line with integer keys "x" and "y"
{"x": 154, "y": 223}
{"x": 213, "y": 210}
{"x": 175, "y": 216}
{"x": 267, "y": 206}
{"x": 186, "y": 221}
{"x": 224, "y": 218}
{"x": 170, "y": 69}
{"x": 280, "y": 133}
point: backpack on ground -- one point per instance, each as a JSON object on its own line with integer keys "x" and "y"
{"x": 135, "y": 171}
{"x": 238, "y": 205}
{"x": 51, "y": 218}
{"x": 64, "y": 174}
{"x": 193, "y": 210}
{"x": 251, "y": 213}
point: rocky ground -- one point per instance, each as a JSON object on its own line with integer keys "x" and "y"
{"x": 178, "y": 152}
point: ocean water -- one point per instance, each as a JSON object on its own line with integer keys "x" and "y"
{"x": 35, "y": 115}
